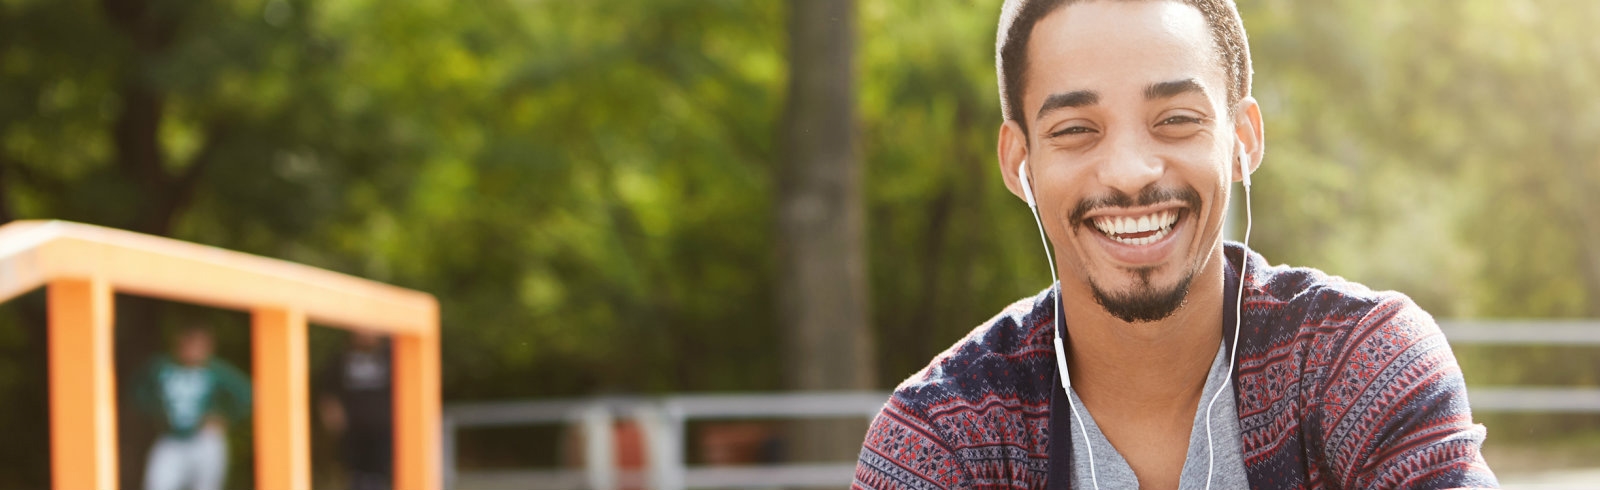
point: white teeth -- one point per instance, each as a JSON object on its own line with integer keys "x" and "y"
{"x": 1160, "y": 222}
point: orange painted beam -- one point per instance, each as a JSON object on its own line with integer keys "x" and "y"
{"x": 281, "y": 399}
{"x": 416, "y": 408}
{"x": 34, "y": 252}
{"x": 83, "y": 394}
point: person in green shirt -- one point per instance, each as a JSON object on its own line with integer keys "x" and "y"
{"x": 194, "y": 396}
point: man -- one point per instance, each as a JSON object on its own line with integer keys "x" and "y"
{"x": 195, "y": 396}
{"x": 1125, "y": 123}
{"x": 356, "y": 404}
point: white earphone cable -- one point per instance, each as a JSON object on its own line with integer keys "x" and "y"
{"x": 1055, "y": 327}
{"x": 1238, "y": 319}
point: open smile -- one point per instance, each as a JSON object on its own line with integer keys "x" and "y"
{"x": 1138, "y": 230}
{"x": 1141, "y": 238}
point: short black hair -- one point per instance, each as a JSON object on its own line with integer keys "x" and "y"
{"x": 1017, "y": 18}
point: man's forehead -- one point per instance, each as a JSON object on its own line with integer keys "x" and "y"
{"x": 1121, "y": 47}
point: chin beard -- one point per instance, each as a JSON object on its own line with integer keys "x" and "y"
{"x": 1145, "y": 303}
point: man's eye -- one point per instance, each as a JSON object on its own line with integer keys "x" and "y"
{"x": 1181, "y": 120}
{"x": 1072, "y": 130}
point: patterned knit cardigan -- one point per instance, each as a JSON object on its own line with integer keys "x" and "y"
{"x": 1336, "y": 386}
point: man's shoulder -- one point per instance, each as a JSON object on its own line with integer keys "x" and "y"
{"x": 1333, "y": 343}
{"x": 1368, "y": 376}
{"x": 1352, "y": 335}
{"x": 980, "y": 407}
{"x": 1306, "y": 305}
{"x": 1004, "y": 364}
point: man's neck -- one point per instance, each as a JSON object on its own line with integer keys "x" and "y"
{"x": 1153, "y": 368}
{"x": 1143, "y": 382}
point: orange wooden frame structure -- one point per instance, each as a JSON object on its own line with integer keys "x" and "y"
{"x": 82, "y": 265}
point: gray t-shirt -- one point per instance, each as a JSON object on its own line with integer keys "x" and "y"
{"x": 1228, "y": 473}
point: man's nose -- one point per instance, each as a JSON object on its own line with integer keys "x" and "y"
{"x": 1129, "y": 166}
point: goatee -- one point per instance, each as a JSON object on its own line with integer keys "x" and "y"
{"x": 1145, "y": 303}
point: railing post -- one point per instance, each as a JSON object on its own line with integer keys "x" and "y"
{"x": 599, "y": 452}
{"x": 416, "y": 410}
{"x": 282, "y": 424}
{"x": 83, "y": 395}
{"x": 447, "y": 445}
{"x": 663, "y": 434}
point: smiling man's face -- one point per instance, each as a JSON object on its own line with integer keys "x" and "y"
{"x": 1131, "y": 148}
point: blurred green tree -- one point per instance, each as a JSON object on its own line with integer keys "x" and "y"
{"x": 1445, "y": 149}
{"x": 583, "y": 186}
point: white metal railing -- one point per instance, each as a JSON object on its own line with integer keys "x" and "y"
{"x": 1565, "y": 332}
{"x": 1528, "y": 332}
{"x": 661, "y": 421}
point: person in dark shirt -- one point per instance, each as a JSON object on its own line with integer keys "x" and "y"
{"x": 355, "y": 403}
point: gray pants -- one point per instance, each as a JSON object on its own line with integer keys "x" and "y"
{"x": 199, "y": 462}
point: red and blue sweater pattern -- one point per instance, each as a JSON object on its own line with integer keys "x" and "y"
{"x": 1337, "y": 386}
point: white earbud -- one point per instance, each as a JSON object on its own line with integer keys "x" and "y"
{"x": 1027, "y": 189}
{"x": 1244, "y": 165}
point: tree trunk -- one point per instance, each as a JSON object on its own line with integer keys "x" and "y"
{"x": 139, "y": 157}
{"x": 822, "y": 283}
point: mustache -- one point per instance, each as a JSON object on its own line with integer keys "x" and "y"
{"x": 1150, "y": 195}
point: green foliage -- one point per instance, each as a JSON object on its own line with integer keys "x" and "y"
{"x": 1445, "y": 149}
{"x": 949, "y": 245}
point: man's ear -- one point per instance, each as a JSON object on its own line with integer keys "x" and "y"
{"x": 1248, "y": 129}
{"x": 1013, "y": 149}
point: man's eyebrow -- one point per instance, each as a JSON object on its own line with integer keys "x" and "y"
{"x": 1167, "y": 90}
{"x": 1077, "y": 98}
